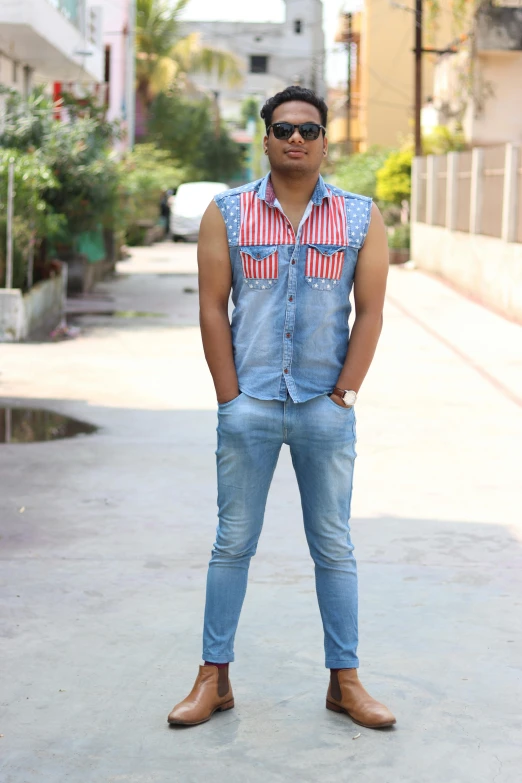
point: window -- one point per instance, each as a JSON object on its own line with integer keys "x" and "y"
{"x": 15, "y": 72}
{"x": 298, "y": 26}
{"x": 258, "y": 63}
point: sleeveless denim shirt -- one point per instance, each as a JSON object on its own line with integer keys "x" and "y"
{"x": 291, "y": 293}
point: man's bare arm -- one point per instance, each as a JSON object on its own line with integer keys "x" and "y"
{"x": 215, "y": 281}
{"x": 369, "y": 289}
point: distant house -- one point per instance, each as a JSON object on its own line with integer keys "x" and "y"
{"x": 273, "y": 54}
{"x": 480, "y": 86}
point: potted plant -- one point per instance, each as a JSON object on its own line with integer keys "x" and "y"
{"x": 399, "y": 243}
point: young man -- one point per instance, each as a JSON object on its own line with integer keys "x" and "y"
{"x": 287, "y": 371}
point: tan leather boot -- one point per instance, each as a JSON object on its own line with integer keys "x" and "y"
{"x": 346, "y": 694}
{"x": 212, "y": 691}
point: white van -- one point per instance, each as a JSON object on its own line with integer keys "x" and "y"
{"x": 188, "y": 205}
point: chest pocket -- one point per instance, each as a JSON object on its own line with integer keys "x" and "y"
{"x": 324, "y": 266}
{"x": 260, "y": 266}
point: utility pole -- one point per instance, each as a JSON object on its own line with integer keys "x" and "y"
{"x": 418, "y": 76}
{"x": 349, "y": 88}
{"x": 9, "y": 247}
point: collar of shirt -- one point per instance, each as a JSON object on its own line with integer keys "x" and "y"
{"x": 266, "y": 191}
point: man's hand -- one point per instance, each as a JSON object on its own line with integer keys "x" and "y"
{"x": 338, "y": 401}
{"x": 223, "y": 402}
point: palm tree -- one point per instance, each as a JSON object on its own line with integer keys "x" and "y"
{"x": 165, "y": 58}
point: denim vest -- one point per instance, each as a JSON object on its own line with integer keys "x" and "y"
{"x": 291, "y": 293}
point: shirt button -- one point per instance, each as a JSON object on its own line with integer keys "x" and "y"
{"x": 293, "y": 262}
{"x": 290, "y": 298}
{"x": 286, "y": 370}
{"x": 288, "y": 334}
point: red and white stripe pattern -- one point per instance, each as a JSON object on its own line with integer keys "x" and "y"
{"x": 260, "y": 269}
{"x": 326, "y": 267}
{"x": 326, "y": 224}
{"x": 261, "y": 224}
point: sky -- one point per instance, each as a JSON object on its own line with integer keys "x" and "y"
{"x": 273, "y": 11}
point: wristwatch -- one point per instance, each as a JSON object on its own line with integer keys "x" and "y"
{"x": 347, "y": 396}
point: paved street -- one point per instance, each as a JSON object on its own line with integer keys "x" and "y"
{"x": 102, "y": 574}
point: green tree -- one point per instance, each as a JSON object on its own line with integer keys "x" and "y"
{"x": 249, "y": 111}
{"x": 165, "y": 58}
{"x": 187, "y": 130}
{"x": 177, "y": 124}
{"x": 219, "y": 158}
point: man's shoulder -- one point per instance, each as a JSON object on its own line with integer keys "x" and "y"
{"x": 335, "y": 191}
{"x": 249, "y": 187}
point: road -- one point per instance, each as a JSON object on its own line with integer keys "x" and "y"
{"x": 103, "y": 572}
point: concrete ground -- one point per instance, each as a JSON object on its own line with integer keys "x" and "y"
{"x": 103, "y": 572}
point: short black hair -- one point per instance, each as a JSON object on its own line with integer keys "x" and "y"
{"x": 294, "y": 93}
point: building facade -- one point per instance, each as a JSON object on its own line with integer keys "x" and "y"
{"x": 43, "y": 41}
{"x": 74, "y": 46}
{"x": 119, "y": 19}
{"x": 273, "y": 55}
{"x": 381, "y": 36}
{"x": 480, "y": 86}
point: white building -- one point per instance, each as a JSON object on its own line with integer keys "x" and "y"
{"x": 77, "y": 46}
{"x": 274, "y": 55}
{"x": 47, "y": 41}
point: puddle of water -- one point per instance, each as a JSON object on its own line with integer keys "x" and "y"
{"x": 32, "y": 425}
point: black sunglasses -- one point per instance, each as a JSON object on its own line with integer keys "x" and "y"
{"x": 284, "y": 130}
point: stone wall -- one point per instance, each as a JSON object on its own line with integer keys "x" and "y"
{"x": 36, "y": 312}
{"x": 486, "y": 268}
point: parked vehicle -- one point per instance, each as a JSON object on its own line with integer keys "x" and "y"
{"x": 188, "y": 205}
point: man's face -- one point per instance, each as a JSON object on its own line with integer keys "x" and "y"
{"x": 294, "y": 155}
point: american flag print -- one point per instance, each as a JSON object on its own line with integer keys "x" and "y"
{"x": 326, "y": 267}
{"x": 262, "y": 224}
{"x": 326, "y": 224}
{"x": 266, "y": 268}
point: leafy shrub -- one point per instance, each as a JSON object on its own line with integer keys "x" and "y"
{"x": 33, "y": 217}
{"x": 394, "y": 177}
{"x": 79, "y": 190}
{"x": 399, "y": 237}
{"x": 357, "y": 173}
{"x": 144, "y": 174}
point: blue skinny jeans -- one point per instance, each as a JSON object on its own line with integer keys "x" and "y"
{"x": 321, "y": 437}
